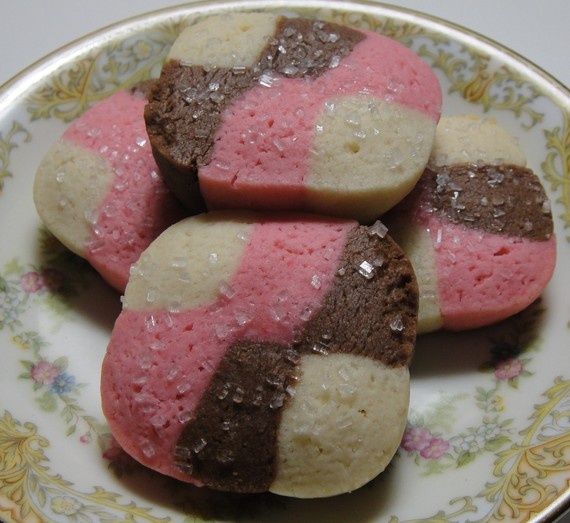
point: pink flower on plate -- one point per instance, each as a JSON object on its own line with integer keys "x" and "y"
{"x": 85, "y": 438}
{"x": 32, "y": 282}
{"x": 508, "y": 369}
{"x": 416, "y": 439}
{"x": 436, "y": 448}
{"x": 44, "y": 372}
{"x": 53, "y": 279}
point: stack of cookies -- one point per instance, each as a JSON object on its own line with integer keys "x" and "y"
{"x": 269, "y": 316}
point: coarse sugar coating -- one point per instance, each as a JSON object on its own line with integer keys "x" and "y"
{"x": 98, "y": 189}
{"x": 221, "y": 383}
{"x": 479, "y": 231}
{"x": 326, "y": 118}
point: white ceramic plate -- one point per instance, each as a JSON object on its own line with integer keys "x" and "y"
{"x": 489, "y": 427}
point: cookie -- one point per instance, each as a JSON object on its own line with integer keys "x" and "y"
{"x": 98, "y": 189}
{"x": 264, "y": 353}
{"x": 477, "y": 228}
{"x": 266, "y": 112}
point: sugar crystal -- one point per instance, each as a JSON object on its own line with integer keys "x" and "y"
{"x": 277, "y": 401}
{"x": 222, "y": 330}
{"x": 316, "y": 281}
{"x": 397, "y": 325}
{"x": 290, "y": 70}
{"x": 495, "y": 178}
{"x": 292, "y": 356}
{"x": 148, "y": 450}
{"x": 90, "y": 216}
{"x": 288, "y": 32}
{"x": 346, "y": 390}
{"x": 151, "y": 295}
{"x": 335, "y": 61}
{"x": 290, "y": 391}
{"x": 377, "y": 229}
{"x": 141, "y": 380}
{"x": 224, "y": 391}
{"x": 306, "y": 313}
{"x": 274, "y": 380}
{"x": 267, "y": 79}
{"x": 378, "y": 262}
{"x": 226, "y": 290}
{"x": 238, "y": 395}
{"x": 158, "y": 421}
{"x": 145, "y": 363}
{"x": 277, "y": 312}
{"x": 183, "y": 417}
{"x": 353, "y": 119}
{"x": 150, "y": 323}
{"x": 200, "y": 446}
{"x": 242, "y": 317}
{"x": 183, "y": 387}
{"x": 320, "y": 348}
{"x": 441, "y": 180}
{"x": 216, "y": 97}
{"x": 366, "y": 269}
{"x": 174, "y": 306}
{"x": 156, "y": 346}
{"x": 279, "y": 144}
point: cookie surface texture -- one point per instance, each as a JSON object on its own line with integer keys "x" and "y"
{"x": 292, "y": 114}
{"x": 478, "y": 230}
{"x": 264, "y": 353}
{"x": 98, "y": 189}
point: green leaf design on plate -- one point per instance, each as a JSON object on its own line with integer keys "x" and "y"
{"x": 465, "y": 458}
{"x": 466, "y": 506}
{"x": 8, "y": 142}
{"x": 495, "y": 444}
{"x": 102, "y": 72}
{"x": 556, "y": 166}
{"x": 47, "y": 401}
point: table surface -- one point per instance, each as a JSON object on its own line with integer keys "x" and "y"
{"x": 31, "y": 29}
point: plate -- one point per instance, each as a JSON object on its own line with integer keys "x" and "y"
{"x": 488, "y": 436}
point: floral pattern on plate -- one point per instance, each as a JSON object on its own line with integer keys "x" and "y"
{"x": 488, "y": 432}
